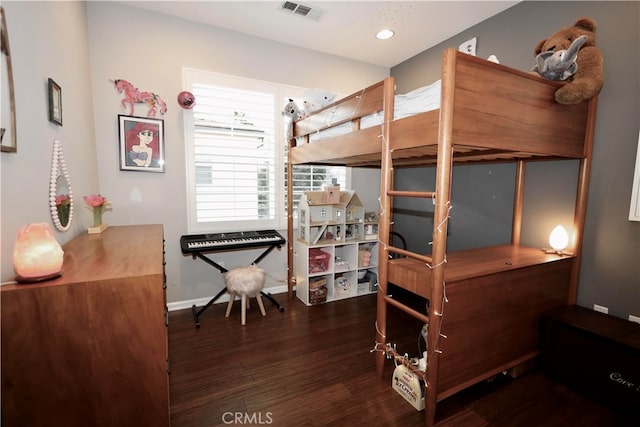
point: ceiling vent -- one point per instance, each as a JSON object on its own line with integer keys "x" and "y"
{"x": 300, "y": 9}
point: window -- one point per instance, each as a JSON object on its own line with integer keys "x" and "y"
{"x": 236, "y": 155}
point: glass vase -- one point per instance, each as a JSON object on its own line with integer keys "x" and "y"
{"x": 97, "y": 216}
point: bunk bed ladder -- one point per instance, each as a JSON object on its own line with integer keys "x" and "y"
{"x": 436, "y": 262}
{"x": 433, "y": 316}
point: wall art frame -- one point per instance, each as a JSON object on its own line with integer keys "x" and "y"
{"x": 634, "y": 208}
{"x": 8, "y": 138}
{"x": 55, "y": 102}
{"x": 141, "y": 142}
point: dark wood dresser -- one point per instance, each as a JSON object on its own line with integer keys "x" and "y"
{"x": 90, "y": 347}
{"x": 596, "y": 354}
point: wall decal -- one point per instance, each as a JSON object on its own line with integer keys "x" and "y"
{"x": 133, "y": 96}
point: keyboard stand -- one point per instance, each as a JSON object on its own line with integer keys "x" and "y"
{"x": 197, "y": 313}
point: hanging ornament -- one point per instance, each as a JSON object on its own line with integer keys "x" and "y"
{"x": 186, "y": 100}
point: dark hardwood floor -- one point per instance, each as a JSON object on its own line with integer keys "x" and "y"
{"x": 312, "y": 366}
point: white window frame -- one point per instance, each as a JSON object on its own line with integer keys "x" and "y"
{"x": 282, "y": 93}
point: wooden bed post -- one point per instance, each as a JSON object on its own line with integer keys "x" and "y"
{"x": 518, "y": 202}
{"x": 440, "y": 222}
{"x": 581, "y": 198}
{"x": 386, "y": 205}
{"x": 290, "y": 278}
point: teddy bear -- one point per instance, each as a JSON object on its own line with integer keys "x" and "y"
{"x": 292, "y": 110}
{"x": 588, "y": 78}
{"x": 293, "y": 113}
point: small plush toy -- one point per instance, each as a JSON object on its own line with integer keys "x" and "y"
{"x": 561, "y": 64}
{"x": 589, "y": 71}
{"x": 292, "y": 111}
{"x": 315, "y": 99}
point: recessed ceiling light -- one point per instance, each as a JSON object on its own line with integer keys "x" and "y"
{"x": 384, "y": 34}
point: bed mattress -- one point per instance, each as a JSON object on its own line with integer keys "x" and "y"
{"x": 420, "y": 100}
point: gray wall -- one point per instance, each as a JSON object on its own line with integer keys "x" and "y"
{"x": 152, "y": 56}
{"x": 47, "y": 40}
{"x": 483, "y": 195}
{"x": 82, "y": 45}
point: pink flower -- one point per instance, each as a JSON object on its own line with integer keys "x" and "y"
{"x": 63, "y": 200}
{"x": 95, "y": 200}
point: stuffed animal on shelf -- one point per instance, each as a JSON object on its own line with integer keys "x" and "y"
{"x": 291, "y": 110}
{"x": 315, "y": 99}
{"x": 561, "y": 64}
{"x": 588, "y": 78}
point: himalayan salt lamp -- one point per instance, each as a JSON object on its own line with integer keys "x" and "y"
{"x": 36, "y": 255}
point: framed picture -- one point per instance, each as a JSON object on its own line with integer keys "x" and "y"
{"x": 8, "y": 139}
{"x": 141, "y": 143}
{"x": 55, "y": 103}
{"x": 634, "y": 209}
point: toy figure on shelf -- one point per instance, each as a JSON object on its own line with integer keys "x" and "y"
{"x": 585, "y": 77}
{"x": 561, "y": 64}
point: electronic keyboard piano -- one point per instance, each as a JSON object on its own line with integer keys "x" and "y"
{"x": 197, "y": 245}
{"x": 229, "y": 241}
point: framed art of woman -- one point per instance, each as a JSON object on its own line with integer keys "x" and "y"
{"x": 141, "y": 143}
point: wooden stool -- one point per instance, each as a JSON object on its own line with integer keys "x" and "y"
{"x": 245, "y": 282}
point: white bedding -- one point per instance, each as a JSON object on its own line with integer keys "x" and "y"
{"x": 425, "y": 98}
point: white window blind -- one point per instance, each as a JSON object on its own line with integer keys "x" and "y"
{"x": 234, "y": 149}
{"x": 314, "y": 178}
{"x": 236, "y": 155}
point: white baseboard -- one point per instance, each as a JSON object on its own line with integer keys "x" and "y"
{"x": 181, "y": 305}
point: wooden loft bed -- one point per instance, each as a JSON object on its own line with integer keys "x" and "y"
{"x": 486, "y": 321}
